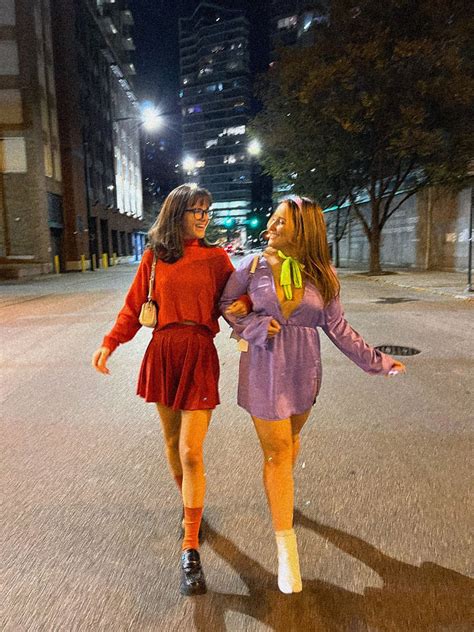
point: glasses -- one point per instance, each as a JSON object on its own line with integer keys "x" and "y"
{"x": 199, "y": 213}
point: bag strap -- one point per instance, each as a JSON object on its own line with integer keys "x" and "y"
{"x": 152, "y": 278}
{"x": 254, "y": 265}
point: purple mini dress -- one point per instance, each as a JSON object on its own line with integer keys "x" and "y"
{"x": 281, "y": 376}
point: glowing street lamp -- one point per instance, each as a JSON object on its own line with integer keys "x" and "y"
{"x": 254, "y": 148}
{"x": 150, "y": 117}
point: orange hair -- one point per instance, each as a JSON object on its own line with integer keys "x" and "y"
{"x": 311, "y": 244}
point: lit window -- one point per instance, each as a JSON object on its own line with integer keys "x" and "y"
{"x": 210, "y": 143}
{"x": 239, "y": 106}
{"x": 205, "y": 70}
{"x": 193, "y": 109}
{"x": 200, "y": 164}
{"x": 236, "y": 131}
{"x": 217, "y": 49}
{"x": 288, "y": 23}
{"x": 215, "y": 87}
{"x": 230, "y": 160}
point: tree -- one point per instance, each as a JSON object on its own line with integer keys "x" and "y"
{"x": 378, "y": 108}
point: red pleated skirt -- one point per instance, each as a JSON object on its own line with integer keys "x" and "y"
{"x": 180, "y": 368}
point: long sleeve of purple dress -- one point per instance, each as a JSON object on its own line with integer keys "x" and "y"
{"x": 351, "y": 343}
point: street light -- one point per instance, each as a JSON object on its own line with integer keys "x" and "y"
{"x": 150, "y": 117}
{"x": 254, "y": 148}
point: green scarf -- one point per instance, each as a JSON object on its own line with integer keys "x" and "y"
{"x": 290, "y": 271}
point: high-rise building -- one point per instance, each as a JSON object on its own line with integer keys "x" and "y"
{"x": 292, "y": 24}
{"x": 292, "y": 21}
{"x": 99, "y": 129}
{"x": 216, "y": 105}
{"x": 70, "y": 179}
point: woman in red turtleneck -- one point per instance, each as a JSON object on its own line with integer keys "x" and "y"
{"x": 180, "y": 370}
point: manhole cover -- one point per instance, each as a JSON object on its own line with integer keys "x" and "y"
{"x": 391, "y": 300}
{"x": 397, "y": 350}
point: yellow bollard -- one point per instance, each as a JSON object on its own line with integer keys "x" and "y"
{"x": 56, "y": 264}
{"x": 105, "y": 260}
{"x": 114, "y": 259}
{"x": 94, "y": 261}
{"x": 83, "y": 263}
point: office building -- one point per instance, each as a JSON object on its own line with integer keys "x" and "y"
{"x": 70, "y": 179}
{"x": 99, "y": 130}
{"x": 216, "y": 106}
{"x": 292, "y": 22}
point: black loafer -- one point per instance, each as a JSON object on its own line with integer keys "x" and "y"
{"x": 192, "y": 576}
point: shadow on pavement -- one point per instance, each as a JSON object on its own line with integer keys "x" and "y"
{"x": 424, "y": 598}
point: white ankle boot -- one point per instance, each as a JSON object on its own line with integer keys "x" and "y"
{"x": 289, "y": 577}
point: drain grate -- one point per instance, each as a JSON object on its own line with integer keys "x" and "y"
{"x": 397, "y": 350}
{"x": 391, "y": 300}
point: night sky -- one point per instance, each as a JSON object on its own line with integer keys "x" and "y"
{"x": 156, "y": 41}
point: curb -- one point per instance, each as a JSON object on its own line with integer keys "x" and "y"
{"x": 416, "y": 288}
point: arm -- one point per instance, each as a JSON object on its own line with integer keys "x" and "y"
{"x": 254, "y": 326}
{"x": 242, "y": 305}
{"x": 127, "y": 325}
{"x": 352, "y": 344}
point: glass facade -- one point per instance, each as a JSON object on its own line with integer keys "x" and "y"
{"x": 215, "y": 102}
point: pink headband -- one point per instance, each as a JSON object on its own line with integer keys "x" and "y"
{"x": 297, "y": 200}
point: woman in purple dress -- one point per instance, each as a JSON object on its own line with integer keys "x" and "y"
{"x": 294, "y": 290}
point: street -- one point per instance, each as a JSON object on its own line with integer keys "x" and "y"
{"x": 90, "y": 529}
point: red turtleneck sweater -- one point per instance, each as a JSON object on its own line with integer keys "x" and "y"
{"x": 188, "y": 289}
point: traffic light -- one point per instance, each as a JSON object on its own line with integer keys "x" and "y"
{"x": 254, "y": 222}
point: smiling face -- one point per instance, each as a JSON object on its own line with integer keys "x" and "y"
{"x": 194, "y": 228}
{"x": 280, "y": 229}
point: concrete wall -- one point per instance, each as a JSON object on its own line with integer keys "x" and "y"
{"x": 430, "y": 231}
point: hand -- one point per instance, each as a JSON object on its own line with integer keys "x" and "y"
{"x": 99, "y": 360}
{"x": 273, "y": 328}
{"x": 238, "y": 308}
{"x": 397, "y": 367}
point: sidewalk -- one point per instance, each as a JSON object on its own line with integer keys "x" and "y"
{"x": 451, "y": 284}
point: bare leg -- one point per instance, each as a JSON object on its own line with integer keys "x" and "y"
{"x": 171, "y": 425}
{"x": 297, "y": 423}
{"x": 277, "y": 444}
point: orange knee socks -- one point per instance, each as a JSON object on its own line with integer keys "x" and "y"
{"x": 192, "y": 522}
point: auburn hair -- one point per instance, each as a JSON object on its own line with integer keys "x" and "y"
{"x": 165, "y": 237}
{"x": 311, "y": 244}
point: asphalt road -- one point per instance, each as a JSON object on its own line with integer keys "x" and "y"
{"x": 90, "y": 517}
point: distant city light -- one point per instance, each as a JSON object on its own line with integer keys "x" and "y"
{"x": 254, "y": 147}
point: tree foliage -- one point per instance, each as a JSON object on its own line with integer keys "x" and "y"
{"x": 377, "y": 108}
